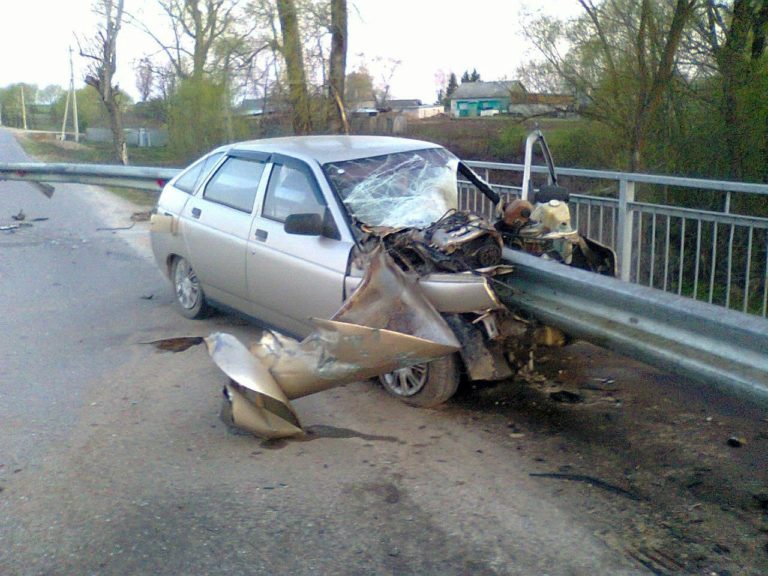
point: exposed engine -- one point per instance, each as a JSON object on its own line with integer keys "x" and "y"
{"x": 458, "y": 242}
{"x": 545, "y": 230}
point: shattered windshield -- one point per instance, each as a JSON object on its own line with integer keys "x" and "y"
{"x": 406, "y": 189}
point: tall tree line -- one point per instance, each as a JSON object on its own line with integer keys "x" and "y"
{"x": 212, "y": 53}
{"x": 677, "y": 85}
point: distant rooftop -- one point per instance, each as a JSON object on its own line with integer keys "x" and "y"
{"x": 496, "y": 89}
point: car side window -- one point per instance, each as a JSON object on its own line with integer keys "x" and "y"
{"x": 291, "y": 191}
{"x": 190, "y": 180}
{"x": 235, "y": 183}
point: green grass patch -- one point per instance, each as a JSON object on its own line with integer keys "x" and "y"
{"x": 49, "y": 150}
{"x": 46, "y": 148}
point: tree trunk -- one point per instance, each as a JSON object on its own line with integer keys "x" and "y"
{"x": 651, "y": 97}
{"x": 102, "y": 73}
{"x": 119, "y": 148}
{"x": 732, "y": 63}
{"x": 294, "y": 64}
{"x": 337, "y": 117}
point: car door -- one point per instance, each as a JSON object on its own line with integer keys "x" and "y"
{"x": 216, "y": 223}
{"x": 293, "y": 277}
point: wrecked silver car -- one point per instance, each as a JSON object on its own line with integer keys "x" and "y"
{"x": 356, "y": 245}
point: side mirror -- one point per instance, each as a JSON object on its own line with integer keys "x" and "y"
{"x": 304, "y": 224}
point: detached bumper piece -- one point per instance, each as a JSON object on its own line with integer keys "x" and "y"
{"x": 386, "y": 324}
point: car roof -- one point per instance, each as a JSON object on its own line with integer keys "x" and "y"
{"x": 335, "y": 148}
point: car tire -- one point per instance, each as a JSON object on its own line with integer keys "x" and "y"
{"x": 424, "y": 385}
{"x": 189, "y": 297}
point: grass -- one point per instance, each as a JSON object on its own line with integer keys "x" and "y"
{"x": 44, "y": 148}
{"x": 49, "y": 149}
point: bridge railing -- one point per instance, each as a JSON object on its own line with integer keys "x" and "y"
{"x": 680, "y": 245}
{"x": 684, "y": 236}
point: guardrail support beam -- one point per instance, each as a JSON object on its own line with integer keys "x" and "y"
{"x": 626, "y": 220}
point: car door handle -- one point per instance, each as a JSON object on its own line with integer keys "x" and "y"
{"x": 261, "y": 235}
{"x": 196, "y": 212}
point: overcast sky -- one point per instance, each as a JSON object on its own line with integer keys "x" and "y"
{"x": 427, "y": 36}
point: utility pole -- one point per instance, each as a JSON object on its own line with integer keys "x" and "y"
{"x": 23, "y": 108}
{"x": 63, "y": 135}
{"x": 74, "y": 95}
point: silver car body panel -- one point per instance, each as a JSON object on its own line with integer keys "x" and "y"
{"x": 280, "y": 278}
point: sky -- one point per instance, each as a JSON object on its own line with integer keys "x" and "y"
{"x": 430, "y": 38}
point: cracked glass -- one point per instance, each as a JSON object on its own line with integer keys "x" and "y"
{"x": 405, "y": 189}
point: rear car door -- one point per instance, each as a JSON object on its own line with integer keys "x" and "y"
{"x": 216, "y": 224}
{"x": 293, "y": 277}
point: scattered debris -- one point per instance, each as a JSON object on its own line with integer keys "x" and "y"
{"x": 176, "y": 344}
{"x": 591, "y": 481}
{"x": 147, "y": 296}
{"x": 141, "y": 216}
{"x": 656, "y": 561}
{"x": 388, "y": 323}
{"x": 116, "y": 228}
{"x": 566, "y": 397}
{"x": 598, "y": 387}
{"x": 736, "y": 442}
{"x": 20, "y": 216}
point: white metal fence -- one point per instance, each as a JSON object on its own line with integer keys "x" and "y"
{"x": 685, "y": 236}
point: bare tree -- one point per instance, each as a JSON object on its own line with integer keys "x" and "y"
{"x": 195, "y": 26}
{"x": 621, "y": 59}
{"x": 145, "y": 78}
{"x": 387, "y": 69}
{"x": 294, "y": 64}
{"x": 102, "y": 53}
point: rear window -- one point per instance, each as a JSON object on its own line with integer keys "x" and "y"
{"x": 235, "y": 183}
{"x": 191, "y": 178}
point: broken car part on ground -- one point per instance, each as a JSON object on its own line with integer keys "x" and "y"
{"x": 374, "y": 224}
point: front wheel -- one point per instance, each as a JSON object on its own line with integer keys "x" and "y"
{"x": 424, "y": 385}
{"x": 189, "y": 296}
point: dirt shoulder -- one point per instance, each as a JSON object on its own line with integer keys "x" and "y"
{"x": 671, "y": 474}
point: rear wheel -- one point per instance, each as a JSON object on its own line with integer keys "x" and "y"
{"x": 424, "y": 385}
{"x": 189, "y": 296}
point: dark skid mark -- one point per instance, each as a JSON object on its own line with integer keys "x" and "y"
{"x": 566, "y": 397}
{"x": 176, "y": 344}
{"x": 323, "y": 431}
{"x": 596, "y": 482}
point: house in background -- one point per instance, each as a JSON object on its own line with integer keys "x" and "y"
{"x": 413, "y": 109}
{"x": 534, "y": 104}
{"x": 484, "y": 98}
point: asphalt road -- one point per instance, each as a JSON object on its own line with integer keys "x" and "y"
{"x": 113, "y": 459}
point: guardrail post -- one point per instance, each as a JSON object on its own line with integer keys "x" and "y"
{"x": 625, "y": 226}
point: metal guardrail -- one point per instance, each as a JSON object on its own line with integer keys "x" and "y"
{"x": 726, "y": 349}
{"x": 715, "y": 256}
{"x": 141, "y": 177}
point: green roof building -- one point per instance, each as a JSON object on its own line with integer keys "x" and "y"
{"x": 483, "y": 98}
